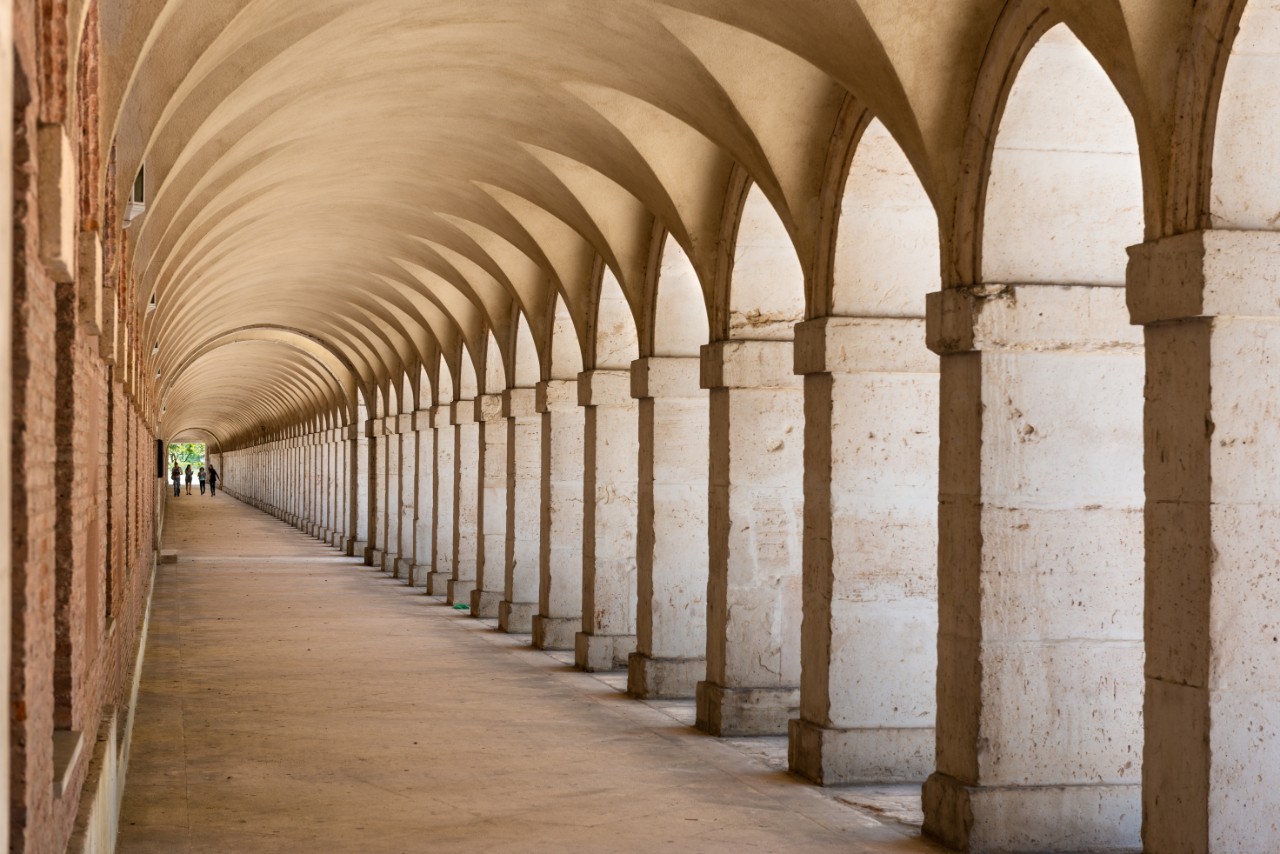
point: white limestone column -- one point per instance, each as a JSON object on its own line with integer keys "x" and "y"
{"x": 671, "y": 546}
{"x": 443, "y": 520}
{"x": 755, "y": 523}
{"x": 407, "y": 480}
{"x": 466, "y": 529}
{"x": 425, "y": 492}
{"x": 1039, "y": 719}
{"x": 524, "y": 510}
{"x": 360, "y": 490}
{"x": 869, "y": 638}
{"x": 376, "y": 490}
{"x": 611, "y": 445}
{"x": 492, "y": 515}
{"x": 559, "y": 616}
{"x": 391, "y": 492}
{"x": 1211, "y": 759}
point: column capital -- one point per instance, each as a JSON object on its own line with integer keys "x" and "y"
{"x": 462, "y": 412}
{"x": 519, "y": 402}
{"x": 557, "y": 395}
{"x": 373, "y": 428}
{"x": 596, "y": 388}
{"x": 489, "y": 407}
{"x": 1029, "y": 318}
{"x": 863, "y": 344}
{"x": 422, "y": 419}
{"x": 1205, "y": 274}
{"x": 667, "y": 377}
{"x": 749, "y": 364}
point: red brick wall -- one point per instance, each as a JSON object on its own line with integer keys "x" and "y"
{"x": 83, "y": 486}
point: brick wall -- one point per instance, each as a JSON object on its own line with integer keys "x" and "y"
{"x": 83, "y": 488}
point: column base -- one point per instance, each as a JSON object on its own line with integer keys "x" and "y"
{"x": 745, "y": 711}
{"x": 555, "y": 632}
{"x": 484, "y": 604}
{"x": 373, "y": 557}
{"x": 354, "y": 547}
{"x": 668, "y": 678}
{"x": 831, "y": 757}
{"x": 516, "y": 618}
{"x": 402, "y": 568}
{"x": 389, "y": 561}
{"x": 1033, "y": 818}
{"x": 438, "y": 583}
{"x": 600, "y": 653}
{"x": 417, "y": 576}
{"x": 460, "y": 590}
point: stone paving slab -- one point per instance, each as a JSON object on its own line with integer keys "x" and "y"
{"x": 293, "y": 700}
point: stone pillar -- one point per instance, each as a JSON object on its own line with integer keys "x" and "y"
{"x": 358, "y": 488}
{"x": 408, "y": 483}
{"x": 466, "y": 529}
{"x": 671, "y": 546}
{"x": 755, "y": 524}
{"x": 869, "y": 638}
{"x": 610, "y": 444}
{"x": 1211, "y": 763}
{"x": 376, "y": 489}
{"x": 425, "y": 506}
{"x": 490, "y": 563}
{"x": 442, "y": 554}
{"x": 559, "y": 617}
{"x": 391, "y": 493}
{"x": 524, "y": 510}
{"x": 342, "y": 494}
{"x": 1039, "y": 719}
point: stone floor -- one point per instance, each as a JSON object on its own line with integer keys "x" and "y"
{"x": 295, "y": 701}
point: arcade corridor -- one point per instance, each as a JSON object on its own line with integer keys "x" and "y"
{"x": 457, "y": 737}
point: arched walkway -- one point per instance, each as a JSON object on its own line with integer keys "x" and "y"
{"x": 459, "y": 737}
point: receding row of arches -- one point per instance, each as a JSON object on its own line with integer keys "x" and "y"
{"x": 924, "y": 525}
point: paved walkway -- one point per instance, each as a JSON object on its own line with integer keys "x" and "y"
{"x": 295, "y": 701}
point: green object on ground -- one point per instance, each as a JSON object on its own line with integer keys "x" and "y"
{"x": 461, "y": 607}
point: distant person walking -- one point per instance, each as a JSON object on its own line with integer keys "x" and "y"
{"x": 176, "y": 474}
{"x": 202, "y": 475}
{"x": 213, "y": 480}
{"x": 189, "y": 474}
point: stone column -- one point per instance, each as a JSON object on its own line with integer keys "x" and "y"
{"x": 358, "y": 489}
{"x": 559, "y": 616}
{"x": 1211, "y": 761}
{"x": 524, "y": 510}
{"x": 425, "y": 491}
{"x": 755, "y": 504}
{"x": 1039, "y": 719}
{"x": 490, "y": 563}
{"x": 341, "y": 495}
{"x": 869, "y": 638}
{"x": 391, "y": 493}
{"x": 408, "y": 482}
{"x": 466, "y": 530}
{"x": 376, "y": 489}
{"x": 610, "y": 445}
{"x": 671, "y": 546}
{"x": 442, "y": 555}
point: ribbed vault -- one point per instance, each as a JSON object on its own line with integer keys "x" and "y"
{"x": 400, "y": 181}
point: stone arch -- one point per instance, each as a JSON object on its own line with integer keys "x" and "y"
{"x": 566, "y": 355}
{"x": 468, "y": 383}
{"x": 1041, "y": 441}
{"x": 679, "y": 326}
{"x": 763, "y": 294}
{"x": 528, "y": 367}
{"x": 869, "y": 656}
{"x": 616, "y": 340}
{"x": 495, "y": 374}
{"x": 444, "y": 383}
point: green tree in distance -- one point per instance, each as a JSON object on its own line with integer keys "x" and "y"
{"x": 186, "y": 453}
